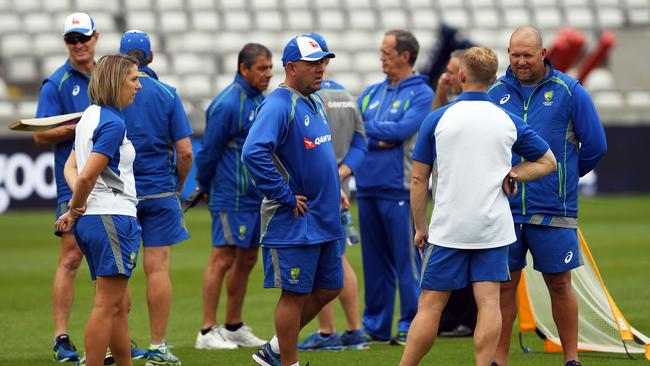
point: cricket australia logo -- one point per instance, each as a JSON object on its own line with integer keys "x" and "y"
{"x": 505, "y": 99}
{"x": 548, "y": 98}
{"x": 75, "y": 90}
{"x": 132, "y": 259}
{"x": 294, "y": 273}
{"x": 395, "y": 106}
{"x": 242, "y": 232}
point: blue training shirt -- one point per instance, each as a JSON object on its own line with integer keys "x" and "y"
{"x": 154, "y": 122}
{"x": 220, "y": 170}
{"x": 289, "y": 152}
{"x": 63, "y": 92}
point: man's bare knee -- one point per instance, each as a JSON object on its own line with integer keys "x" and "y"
{"x": 558, "y": 284}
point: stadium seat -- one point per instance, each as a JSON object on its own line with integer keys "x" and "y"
{"x": 354, "y": 5}
{"x": 350, "y": 80}
{"x": 547, "y": 18}
{"x": 610, "y": 17}
{"x": 171, "y": 79}
{"x": 233, "y": 4}
{"x": 297, "y": 4}
{"x": 485, "y": 18}
{"x": 201, "y": 5}
{"x": 7, "y": 110}
{"x": 581, "y": 18}
{"x": 639, "y": 16}
{"x": 110, "y": 43}
{"x": 196, "y": 85}
{"x": 269, "y": 20}
{"x": 26, "y": 108}
{"x": 21, "y": 69}
{"x": 300, "y": 20}
{"x": 142, "y": 20}
{"x": 238, "y": 20}
{"x": 263, "y": 5}
{"x": 599, "y": 79}
{"x": 194, "y": 42}
{"x": 50, "y": 63}
{"x": 90, "y": 6}
{"x": 229, "y": 62}
{"x": 173, "y": 22}
{"x": 230, "y": 41}
{"x": 637, "y": 4}
{"x": 37, "y": 22}
{"x": 332, "y": 4}
{"x": 536, "y": 4}
{"x": 331, "y": 19}
{"x": 373, "y": 77}
{"x": 222, "y": 81}
{"x": 16, "y": 44}
{"x": 138, "y": 5}
{"x": 608, "y": 99}
{"x": 205, "y": 20}
{"x": 394, "y": 19}
{"x": 364, "y": 19}
{"x": 419, "y": 4}
{"x": 105, "y": 22}
{"x": 457, "y": 17}
{"x": 160, "y": 62}
{"x": 515, "y": 17}
{"x": 425, "y": 18}
{"x": 482, "y": 4}
{"x": 9, "y": 23}
{"x": 187, "y": 63}
{"x": 639, "y": 99}
{"x": 47, "y": 44}
{"x": 166, "y": 5}
{"x": 26, "y": 6}
{"x": 367, "y": 60}
{"x": 484, "y": 37}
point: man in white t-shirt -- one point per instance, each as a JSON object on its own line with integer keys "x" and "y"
{"x": 471, "y": 142}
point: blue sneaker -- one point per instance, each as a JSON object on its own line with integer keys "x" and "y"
{"x": 354, "y": 340}
{"x": 371, "y": 339}
{"x": 266, "y": 357}
{"x": 136, "y": 354}
{"x": 64, "y": 350}
{"x": 316, "y": 342}
{"x": 162, "y": 356}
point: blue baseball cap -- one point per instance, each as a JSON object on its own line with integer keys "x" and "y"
{"x": 303, "y": 48}
{"x": 79, "y": 23}
{"x": 319, "y": 39}
{"x": 135, "y": 40}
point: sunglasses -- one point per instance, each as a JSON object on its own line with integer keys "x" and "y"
{"x": 75, "y": 38}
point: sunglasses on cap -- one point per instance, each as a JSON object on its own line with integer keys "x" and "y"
{"x": 74, "y": 38}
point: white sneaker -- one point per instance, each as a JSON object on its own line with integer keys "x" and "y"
{"x": 213, "y": 339}
{"x": 243, "y": 337}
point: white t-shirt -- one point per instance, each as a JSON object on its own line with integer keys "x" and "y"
{"x": 102, "y": 130}
{"x": 471, "y": 141}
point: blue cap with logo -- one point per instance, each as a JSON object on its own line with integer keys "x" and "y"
{"x": 135, "y": 40}
{"x": 79, "y": 23}
{"x": 319, "y": 39}
{"x": 303, "y": 48}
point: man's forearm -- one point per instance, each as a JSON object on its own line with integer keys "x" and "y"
{"x": 419, "y": 203}
{"x": 55, "y": 135}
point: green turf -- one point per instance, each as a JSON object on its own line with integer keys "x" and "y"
{"x": 616, "y": 228}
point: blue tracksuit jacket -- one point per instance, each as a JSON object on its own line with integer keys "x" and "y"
{"x": 562, "y": 113}
{"x": 393, "y": 114}
{"x": 219, "y": 167}
{"x": 289, "y": 152}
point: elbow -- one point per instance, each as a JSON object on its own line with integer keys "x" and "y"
{"x": 186, "y": 156}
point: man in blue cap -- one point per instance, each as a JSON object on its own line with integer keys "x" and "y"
{"x": 289, "y": 154}
{"x": 156, "y": 125}
{"x": 66, "y": 91}
{"x": 350, "y": 147}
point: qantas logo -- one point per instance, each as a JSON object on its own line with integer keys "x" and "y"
{"x": 339, "y": 105}
{"x": 313, "y": 44}
{"x": 75, "y": 21}
{"x": 309, "y": 144}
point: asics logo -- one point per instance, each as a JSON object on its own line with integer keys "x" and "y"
{"x": 505, "y": 99}
{"x": 75, "y": 90}
{"x": 568, "y": 257}
{"x": 306, "y": 120}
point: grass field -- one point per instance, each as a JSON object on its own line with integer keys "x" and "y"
{"x": 616, "y": 228}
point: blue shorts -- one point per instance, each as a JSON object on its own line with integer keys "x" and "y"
{"x": 162, "y": 221}
{"x": 61, "y": 208}
{"x": 241, "y": 228}
{"x": 109, "y": 242}
{"x": 554, "y": 249}
{"x": 445, "y": 269}
{"x": 303, "y": 268}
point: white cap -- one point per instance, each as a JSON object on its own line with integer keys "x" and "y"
{"x": 79, "y": 23}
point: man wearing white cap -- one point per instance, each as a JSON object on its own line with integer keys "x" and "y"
{"x": 289, "y": 155}
{"x": 66, "y": 91}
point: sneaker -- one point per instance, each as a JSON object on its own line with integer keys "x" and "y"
{"x": 64, "y": 350}
{"x": 399, "y": 339}
{"x": 81, "y": 362}
{"x": 162, "y": 356}
{"x": 266, "y": 357}
{"x": 136, "y": 354}
{"x": 316, "y": 342}
{"x": 354, "y": 340}
{"x": 243, "y": 337}
{"x": 213, "y": 339}
{"x": 572, "y": 363}
{"x": 371, "y": 339}
{"x": 460, "y": 331}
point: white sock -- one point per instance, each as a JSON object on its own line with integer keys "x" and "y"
{"x": 157, "y": 346}
{"x": 295, "y": 364}
{"x": 275, "y": 345}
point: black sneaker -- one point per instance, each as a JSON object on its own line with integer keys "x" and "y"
{"x": 572, "y": 363}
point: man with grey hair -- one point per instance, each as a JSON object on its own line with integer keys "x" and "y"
{"x": 559, "y": 109}
{"x": 392, "y": 111}
{"x": 234, "y": 201}
{"x": 448, "y": 83}
{"x": 471, "y": 225}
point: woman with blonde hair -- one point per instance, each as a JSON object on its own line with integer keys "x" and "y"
{"x": 103, "y": 205}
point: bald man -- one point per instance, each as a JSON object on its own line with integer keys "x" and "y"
{"x": 545, "y": 212}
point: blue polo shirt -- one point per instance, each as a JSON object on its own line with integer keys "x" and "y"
{"x": 289, "y": 152}
{"x": 63, "y": 92}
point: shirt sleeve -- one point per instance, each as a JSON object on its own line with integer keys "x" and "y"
{"x": 267, "y": 132}
{"x": 108, "y": 137}
{"x": 528, "y": 144}
{"x": 425, "y": 146}
{"x": 217, "y": 133}
{"x": 49, "y": 103}
{"x": 180, "y": 125}
{"x": 588, "y": 129}
{"x": 398, "y": 131}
